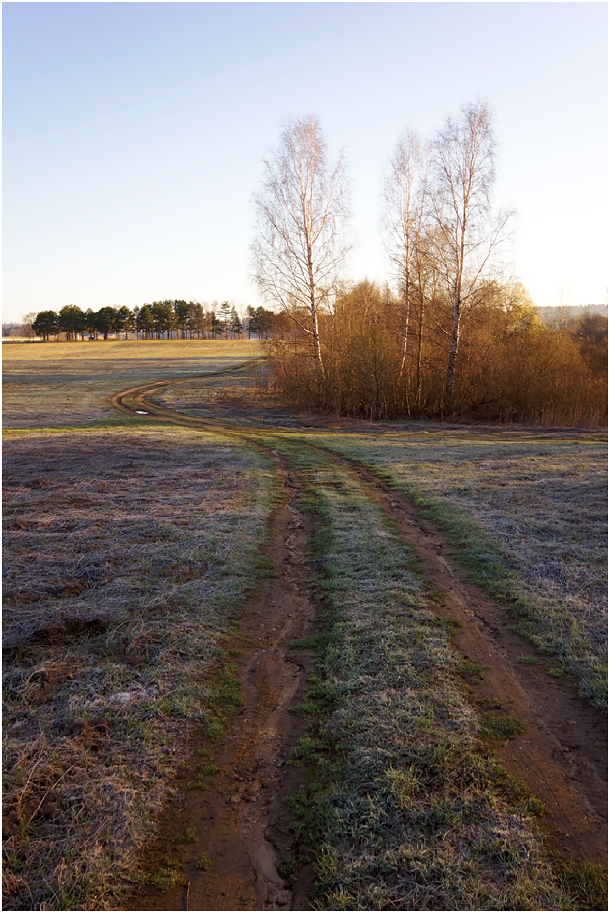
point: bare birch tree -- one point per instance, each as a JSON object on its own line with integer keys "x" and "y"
{"x": 468, "y": 233}
{"x": 403, "y": 226}
{"x": 301, "y": 209}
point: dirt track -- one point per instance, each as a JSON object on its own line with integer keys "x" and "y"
{"x": 560, "y": 756}
{"x": 246, "y": 818}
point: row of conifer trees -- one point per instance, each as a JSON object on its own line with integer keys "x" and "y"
{"x": 161, "y": 319}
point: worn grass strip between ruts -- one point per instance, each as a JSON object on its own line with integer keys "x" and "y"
{"x": 404, "y": 808}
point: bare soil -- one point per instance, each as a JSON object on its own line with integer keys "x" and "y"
{"x": 243, "y": 818}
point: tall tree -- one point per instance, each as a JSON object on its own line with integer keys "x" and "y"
{"x": 45, "y": 324}
{"x": 145, "y": 320}
{"x": 105, "y": 320}
{"x": 181, "y": 310}
{"x": 403, "y": 225}
{"x": 225, "y": 317}
{"x": 467, "y": 231}
{"x": 124, "y": 320}
{"x": 195, "y": 319}
{"x": 72, "y": 320}
{"x": 301, "y": 209}
{"x": 163, "y": 317}
{"x": 251, "y": 323}
{"x": 237, "y": 326}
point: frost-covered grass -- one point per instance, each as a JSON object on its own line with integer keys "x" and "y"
{"x": 527, "y": 514}
{"x": 405, "y": 808}
{"x": 127, "y": 555}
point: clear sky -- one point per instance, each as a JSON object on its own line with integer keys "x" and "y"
{"x": 133, "y": 135}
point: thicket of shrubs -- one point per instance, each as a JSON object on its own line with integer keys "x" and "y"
{"x": 512, "y": 367}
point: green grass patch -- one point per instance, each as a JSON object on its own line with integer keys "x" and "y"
{"x": 188, "y": 836}
{"x": 224, "y": 696}
{"x": 167, "y": 876}
{"x": 587, "y": 884}
{"x": 203, "y": 863}
{"x": 501, "y": 728}
{"x": 307, "y": 748}
{"x": 199, "y": 783}
{"x": 470, "y": 670}
{"x": 533, "y": 807}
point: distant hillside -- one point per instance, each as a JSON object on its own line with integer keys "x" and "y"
{"x": 556, "y": 316}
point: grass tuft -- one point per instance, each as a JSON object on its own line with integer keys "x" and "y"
{"x": 587, "y": 884}
{"x": 203, "y": 863}
{"x": 189, "y": 836}
{"x": 501, "y": 728}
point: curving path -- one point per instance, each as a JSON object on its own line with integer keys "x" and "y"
{"x": 561, "y": 756}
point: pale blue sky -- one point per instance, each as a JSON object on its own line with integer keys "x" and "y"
{"x": 133, "y": 134}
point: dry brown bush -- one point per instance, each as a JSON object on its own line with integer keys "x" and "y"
{"x": 512, "y": 368}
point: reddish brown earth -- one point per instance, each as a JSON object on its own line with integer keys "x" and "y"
{"x": 243, "y": 818}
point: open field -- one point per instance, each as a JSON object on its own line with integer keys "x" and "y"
{"x": 126, "y": 558}
{"x": 57, "y": 383}
{"x": 129, "y": 551}
{"x": 525, "y": 511}
{"x": 127, "y": 554}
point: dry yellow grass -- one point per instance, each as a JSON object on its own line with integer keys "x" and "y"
{"x": 65, "y": 383}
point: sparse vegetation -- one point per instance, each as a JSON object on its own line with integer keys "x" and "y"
{"x": 189, "y": 836}
{"x": 166, "y": 876}
{"x": 204, "y": 863}
{"x": 501, "y": 727}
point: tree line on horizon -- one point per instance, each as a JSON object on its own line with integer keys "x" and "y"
{"x": 161, "y": 319}
{"x": 450, "y": 334}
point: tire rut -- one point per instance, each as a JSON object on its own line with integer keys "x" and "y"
{"x": 242, "y": 821}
